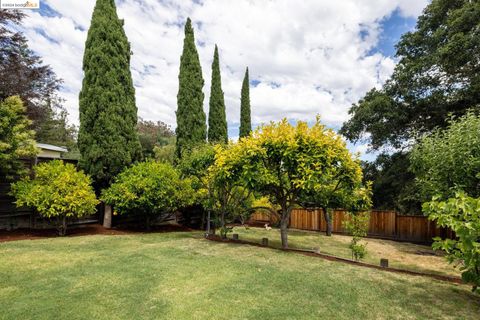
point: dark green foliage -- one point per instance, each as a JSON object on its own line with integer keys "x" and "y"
{"x": 438, "y": 73}
{"x": 23, "y": 73}
{"x": 191, "y": 120}
{"x": 107, "y": 139}
{"x": 245, "y": 118}
{"x": 393, "y": 186}
{"x": 217, "y": 119}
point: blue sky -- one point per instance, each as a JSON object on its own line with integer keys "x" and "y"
{"x": 305, "y": 58}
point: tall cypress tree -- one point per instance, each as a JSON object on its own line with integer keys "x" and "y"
{"x": 217, "y": 119}
{"x": 191, "y": 120}
{"x": 107, "y": 137}
{"x": 245, "y": 121}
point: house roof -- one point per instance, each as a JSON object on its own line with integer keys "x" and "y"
{"x": 51, "y": 147}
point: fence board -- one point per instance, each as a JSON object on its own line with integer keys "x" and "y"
{"x": 383, "y": 223}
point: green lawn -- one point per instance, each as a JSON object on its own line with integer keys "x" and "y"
{"x": 182, "y": 276}
{"x": 401, "y": 255}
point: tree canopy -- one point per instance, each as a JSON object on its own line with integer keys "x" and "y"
{"x": 285, "y": 162}
{"x": 438, "y": 74}
{"x": 16, "y": 139}
{"x": 107, "y": 138}
{"x": 217, "y": 119}
{"x": 149, "y": 190}
{"x": 245, "y": 117}
{"x": 191, "y": 120}
{"x": 448, "y": 160}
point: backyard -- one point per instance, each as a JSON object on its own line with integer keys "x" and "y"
{"x": 402, "y": 255}
{"x": 182, "y": 276}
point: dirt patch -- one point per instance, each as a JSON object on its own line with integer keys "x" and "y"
{"x": 31, "y": 234}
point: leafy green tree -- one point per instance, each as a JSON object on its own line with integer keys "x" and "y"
{"x": 55, "y": 129}
{"x": 16, "y": 139}
{"x": 154, "y": 134}
{"x": 217, "y": 119}
{"x": 245, "y": 118}
{"x": 461, "y": 214}
{"x": 226, "y": 199}
{"x": 107, "y": 138}
{"x": 57, "y": 191}
{"x": 149, "y": 190}
{"x": 449, "y": 160}
{"x": 191, "y": 120}
{"x": 284, "y": 163}
{"x": 393, "y": 183}
{"x": 438, "y": 74}
{"x": 23, "y": 73}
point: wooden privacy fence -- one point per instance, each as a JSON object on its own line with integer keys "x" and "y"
{"x": 382, "y": 224}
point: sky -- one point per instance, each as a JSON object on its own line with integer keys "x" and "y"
{"x": 305, "y": 58}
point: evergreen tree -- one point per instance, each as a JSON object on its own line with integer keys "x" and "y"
{"x": 191, "y": 120}
{"x": 107, "y": 138}
{"x": 217, "y": 119}
{"x": 245, "y": 121}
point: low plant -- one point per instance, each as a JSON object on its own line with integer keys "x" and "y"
{"x": 357, "y": 227}
{"x": 461, "y": 214}
{"x": 58, "y": 191}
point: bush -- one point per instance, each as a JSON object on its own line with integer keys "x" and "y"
{"x": 462, "y": 215}
{"x": 357, "y": 227}
{"x": 57, "y": 191}
{"x": 149, "y": 190}
{"x": 16, "y": 139}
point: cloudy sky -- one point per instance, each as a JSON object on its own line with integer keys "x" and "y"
{"x": 305, "y": 57}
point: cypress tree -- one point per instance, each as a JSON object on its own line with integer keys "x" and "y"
{"x": 245, "y": 121}
{"x": 107, "y": 137}
{"x": 217, "y": 119}
{"x": 191, "y": 120}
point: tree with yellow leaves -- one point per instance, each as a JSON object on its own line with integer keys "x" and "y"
{"x": 295, "y": 165}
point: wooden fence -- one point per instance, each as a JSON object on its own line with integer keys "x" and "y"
{"x": 382, "y": 224}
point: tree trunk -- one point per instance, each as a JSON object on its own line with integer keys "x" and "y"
{"x": 329, "y": 222}
{"x": 62, "y": 226}
{"x": 285, "y": 218}
{"x": 107, "y": 217}
{"x": 147, "y": 222}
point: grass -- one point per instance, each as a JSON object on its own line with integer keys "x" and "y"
{"x": 401, "y": 255}
{"x": 182, "y": 276}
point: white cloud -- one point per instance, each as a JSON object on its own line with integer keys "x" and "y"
{"x": 309, "y": 56}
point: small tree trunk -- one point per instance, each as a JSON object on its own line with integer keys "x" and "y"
{"x": 285, "y": 218}
{"x": 147, "y": 222}
{"x": 329, "y": 222}
{"x": 62, "y": 226}
{"x": 107, "y": 217}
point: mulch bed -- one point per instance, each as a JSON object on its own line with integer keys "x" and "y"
{"x": 338, "y": 259}
{"x": 31, "y": 234}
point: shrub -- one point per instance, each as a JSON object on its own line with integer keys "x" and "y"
{"x": 59, "y": 191}
{"x": 16, "y": 139}
{"x": 462, "y": 214}
{"x": 357, "y": 227}
{"x": 149, "y": 190}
